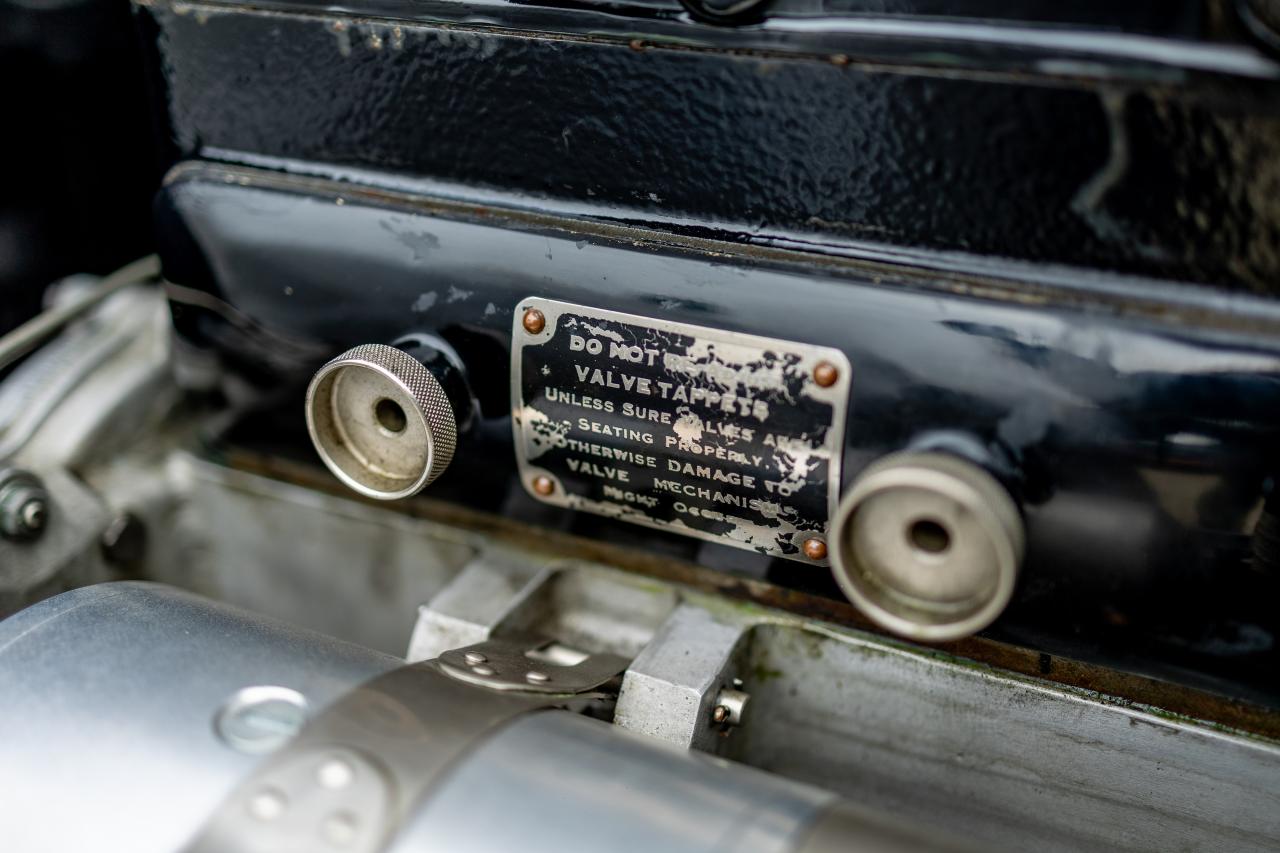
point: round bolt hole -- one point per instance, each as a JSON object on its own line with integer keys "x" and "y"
{"x": 390, "y": 416}
{"x": 929, "y": 536}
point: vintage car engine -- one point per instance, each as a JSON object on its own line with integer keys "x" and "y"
{"x": 641, "y": 425}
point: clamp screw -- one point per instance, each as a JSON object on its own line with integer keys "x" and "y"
{"x": 730, "y": 705}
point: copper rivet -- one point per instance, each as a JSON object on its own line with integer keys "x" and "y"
{"x": 534, "y": 322}
{"x": 815, "y": 549}
{"x": 543, "y": 485}
{"x": 720, "y": 713}
{"x": 824, "y": 373}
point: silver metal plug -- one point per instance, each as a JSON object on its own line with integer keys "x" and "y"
{"x": 928, "y": 546}
{"x": 381, "y": 421}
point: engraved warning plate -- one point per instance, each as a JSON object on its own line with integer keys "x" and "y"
{"x": 708, "y": 433}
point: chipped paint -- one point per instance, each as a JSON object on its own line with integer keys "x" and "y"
{"x": 706, "y": 432}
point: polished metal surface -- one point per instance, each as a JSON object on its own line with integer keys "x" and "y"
{"x": 836, "y": 829}
{"x": 928, "y": 546}
{"x": 381, "y": 421}
{"x": 356, "y": 772}
{"x": 109, "y": 712}
{"x": 559, "y": 783}
{"x": 389, "y": 756}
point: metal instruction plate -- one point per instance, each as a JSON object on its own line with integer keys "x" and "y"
{"x": 719, "y": 435}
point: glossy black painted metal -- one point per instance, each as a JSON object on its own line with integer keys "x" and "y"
{"x": 1141, "y": 448}
{"x": 1156, "y": 157}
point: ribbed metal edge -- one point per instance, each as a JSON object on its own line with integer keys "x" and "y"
{"x": 421, "y": 386}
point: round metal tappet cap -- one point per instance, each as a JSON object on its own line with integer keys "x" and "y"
{"x": 928, "y": 546}
{"x": 381, "y": 421}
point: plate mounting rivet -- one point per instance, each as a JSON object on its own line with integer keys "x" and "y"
{"x": 534, "y": 321}
{"x": 824, "y": 372}
{"x": 815, "y": 549}
{"x": 544, "y": 485}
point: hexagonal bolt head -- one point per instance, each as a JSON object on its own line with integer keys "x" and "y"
{"x": 24, "y": 506}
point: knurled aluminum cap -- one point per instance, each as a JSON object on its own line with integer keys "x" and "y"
{"x": 928, "y": 546}
{"x": 381, "y": 421}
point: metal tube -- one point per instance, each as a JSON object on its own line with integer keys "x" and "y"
{"x": 32, "y": 333}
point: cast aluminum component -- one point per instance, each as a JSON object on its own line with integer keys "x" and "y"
{"x": 113, "y": 699}
{"x": 381, "y": 421}
{"x": 928, "y": 546}
{"x": 400, "y": 758}
{"x": 997, "y": 757}
{"x": 31, "y": 334}
{"x": 62, "y": 553}
{"x": 104, "y": 377}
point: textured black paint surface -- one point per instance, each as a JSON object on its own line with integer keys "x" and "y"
{"x": 1138, "y": 429}
{"x": 1162, "y": 180}
{"x": 1139, "y": 450}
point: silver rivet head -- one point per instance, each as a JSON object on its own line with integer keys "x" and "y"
{"x": 268, "y": 804}
{"x": 474, "y": 658}
{"x": 335, "y": 774}
{"x": 535, "y": 677}
{"x": 483, "y": 670}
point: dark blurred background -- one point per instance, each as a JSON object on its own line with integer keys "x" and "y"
{"x": 77, "y": 146}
